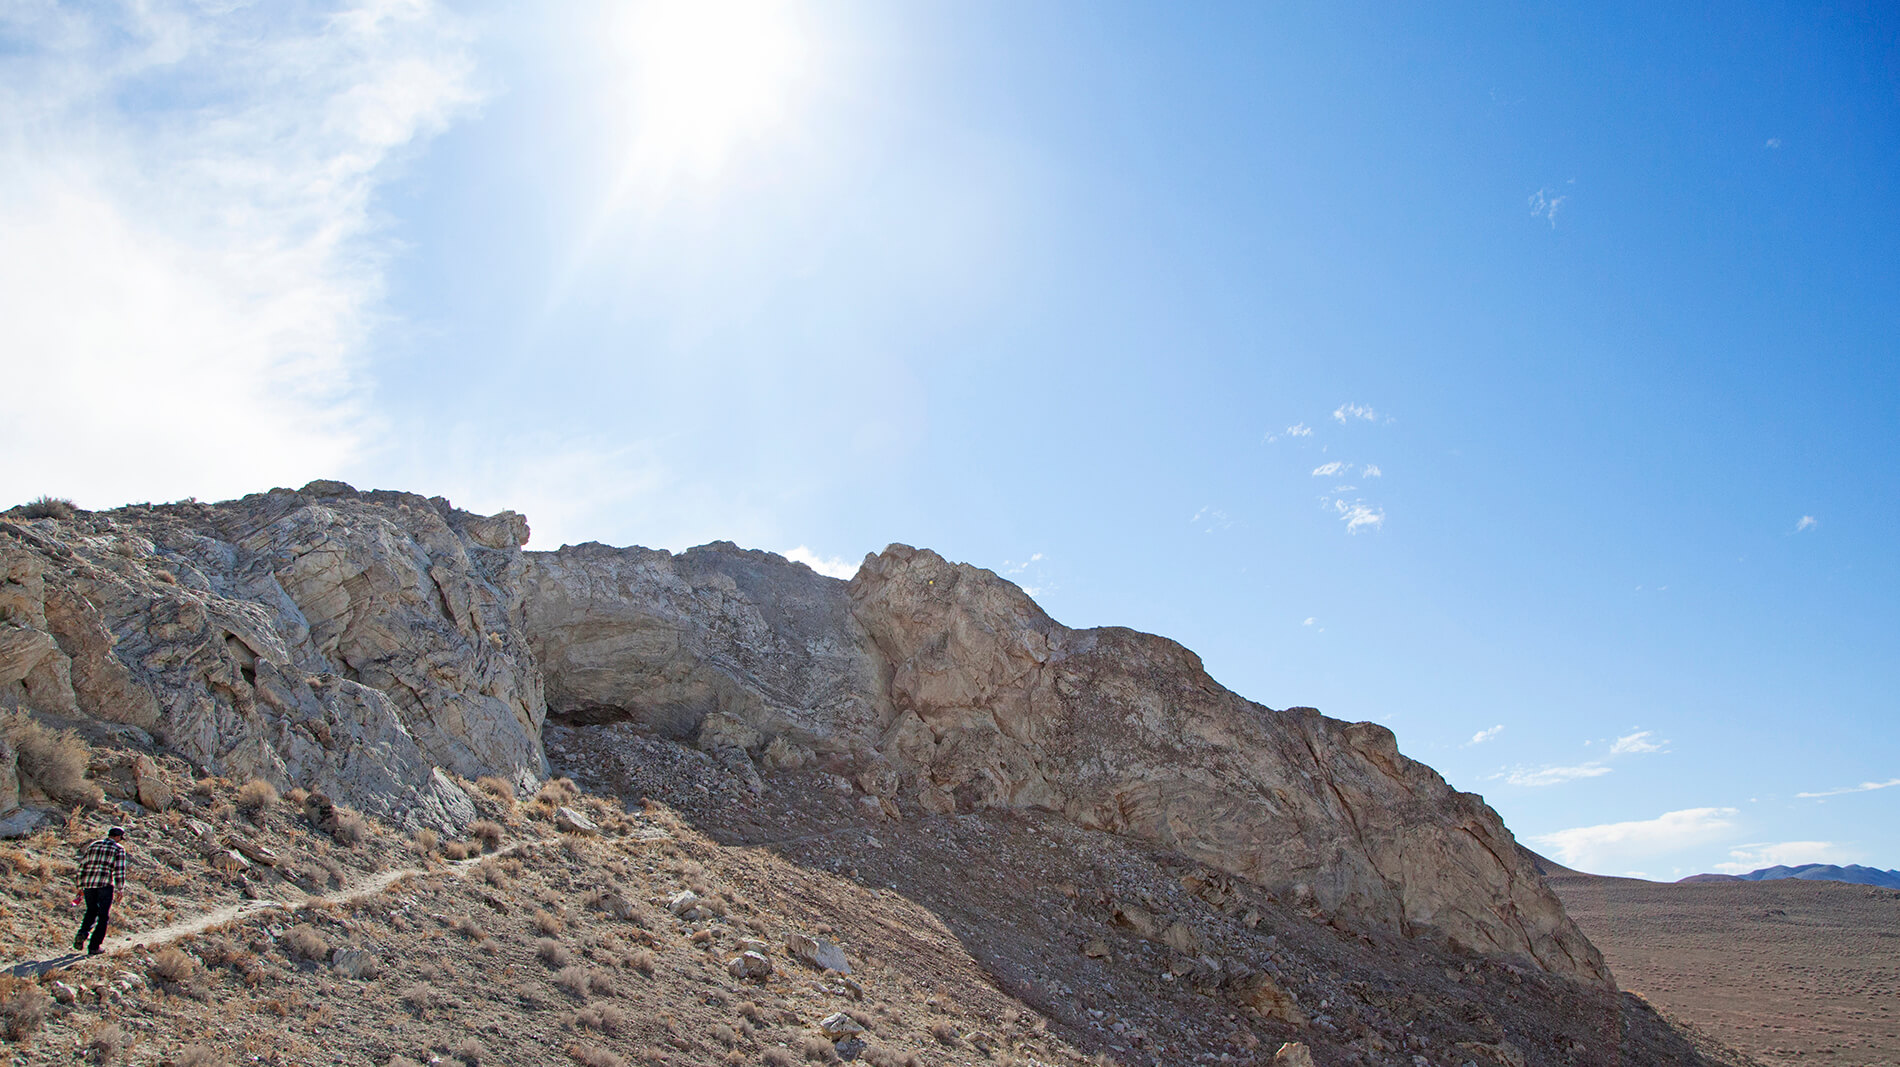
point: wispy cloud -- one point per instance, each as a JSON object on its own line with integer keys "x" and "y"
{"x": 1808, "y": 522}
{"x": 1308, "y": 621}
{"x": 1772, "y": 143}
{"x": 1746, "y": 858}
{"x": 207, "y": 172}
{"x": 1545, "y": 204}
{"x": 1614, "y": 846}
{"x": 1482, "y": 736}
{"x": 1327, "y": 470}
{"x": 1553, "y": 775}
{"x": 1864, "y": 787}
{"x": 830, "y": 568}
{"x": 1359, "y": 515}
{"x": 1345, "y": 413}
{"x": 1638, "y": 742}
{"x": 1372, "y": 471}
{"x": 1210, "y": 518}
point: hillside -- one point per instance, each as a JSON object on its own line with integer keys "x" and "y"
{"x": 1082, "y": 827}
{"x": 1789, "y": 971}
{"x": 1852, "y": 873}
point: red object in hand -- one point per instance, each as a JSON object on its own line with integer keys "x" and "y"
{"x": 78, "y": 899}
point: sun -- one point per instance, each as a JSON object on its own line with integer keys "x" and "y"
{"x": 704, "y": 80}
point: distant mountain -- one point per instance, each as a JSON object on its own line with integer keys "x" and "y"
{"x": 1814, "y": 872}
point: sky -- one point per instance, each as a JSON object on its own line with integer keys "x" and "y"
{"x": 1520, "y": 376}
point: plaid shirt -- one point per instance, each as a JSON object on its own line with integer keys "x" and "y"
{"x": 102, "y": 864}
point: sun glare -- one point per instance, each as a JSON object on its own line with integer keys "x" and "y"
{"x": 704, "y": 79}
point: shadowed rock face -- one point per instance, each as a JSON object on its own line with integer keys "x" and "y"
{"x": 361, "y": 643}
{"x": 944, "y": 687}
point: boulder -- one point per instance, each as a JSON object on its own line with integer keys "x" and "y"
{"x": 837, "y": 1026}
{"x": 1293, "y": 1054}
{"x": 570, "y": 821}
{"x": 750, "y": 965}
{"x": 817, "y": 952}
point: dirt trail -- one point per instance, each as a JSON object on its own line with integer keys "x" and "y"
{"x": 197, "y": 924}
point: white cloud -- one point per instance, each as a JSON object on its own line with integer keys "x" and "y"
{"x": 1544, "y": 204}
{"x": 192, "y": 260}
{"x": 1808, "y": 522}
{"x": 1864, "y": 787}
{"x": 1308, "y": 621}
{"x": 1746, "y": 858}
{"x": 1359, "y": 514}
{"x": 1482, "y": 736}
{"x": 1298, "y": 429}
{"x": 1554, "y": 775}
{"x": 1327, "y": 470}
{"x": 1346, "y": 412}
{"x": 1613, "y": 846}
{"x": 1772, "y": 142}
{"x": 1637, "y": 742}
{"x": 1372, "y": 471}
{"x": 1010, "y": 567}
{"x": 1212, "y": 519}
{"x": 830, "y": 568}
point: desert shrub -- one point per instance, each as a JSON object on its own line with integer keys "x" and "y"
{"x": 458, "y": 850}
{"x": 305, "y": 942}
{"x": 945, "y": 1033}
{"x": 498, "y": 787}
{"x": 603, "y": 1017}
{"x": 575, "y": 979}
{"x": 552, "y": 952}
{"x": 420, "y": 996}
{"x": 296, "y": 797}
{"x": 427, "y": 840}
{"x": 106, "y": 1044}
{"x": 23, "y": 1006}
{"x": 595, "y": 1056}
{"x": 641, "y": 960}
{"x": 878, "y": 1056}
{"x": 780, "y": 1057}
{"x": 487, "y": 831}
{"x": 55, "y": 760}
{"x": 469, "y": 928}
{"x": 256, "y": 796}
{"x": 204, "y": 788}
{"x": 470, "y": 1051}
{"x": 350, "y": 829}
{"x": 751, "y": 1012}
{"x": 725, "y": 1034}
{"x": 173, "y": 965}
{"x": 197, "y": 1056}
{"x": 48, "y": 507}
{"x": 817, "y": 1049}
{"x": 548, "y": 924}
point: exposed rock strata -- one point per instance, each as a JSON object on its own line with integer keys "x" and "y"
{"x": 353, "y": 643}
{"x": 946, "y": 687}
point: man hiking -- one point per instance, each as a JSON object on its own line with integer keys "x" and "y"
{"x": 101, "y": 871}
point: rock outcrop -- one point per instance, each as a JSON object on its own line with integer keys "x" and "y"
{"x": 356, "y": 643}
{"x": 360, "y": 644}
{"x": 945, "y": 687}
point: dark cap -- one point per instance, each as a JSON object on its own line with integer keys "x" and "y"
{"x": 116, "y": 831}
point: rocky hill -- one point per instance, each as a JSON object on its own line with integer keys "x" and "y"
{"x": 386, "y": 649}
{"x": 1852, "y": 873}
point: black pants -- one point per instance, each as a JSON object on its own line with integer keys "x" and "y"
{"x": 98, "y": 909}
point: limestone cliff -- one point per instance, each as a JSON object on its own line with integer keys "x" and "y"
{"x": 361, "y": 643}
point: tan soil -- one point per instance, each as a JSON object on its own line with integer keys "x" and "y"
{"x": 1792, "y": 972}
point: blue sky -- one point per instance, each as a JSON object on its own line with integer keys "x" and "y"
{"x": 1522, "y": 376}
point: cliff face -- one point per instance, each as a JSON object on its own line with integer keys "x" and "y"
{"x": 355, "y": 642}
{"x": 942, "y": 687}
{"x": 351, "y": 643}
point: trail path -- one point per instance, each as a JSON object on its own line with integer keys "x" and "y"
{"x": 197, "y": 924}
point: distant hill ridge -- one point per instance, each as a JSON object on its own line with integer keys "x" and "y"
{"x": 1814, "y": 872}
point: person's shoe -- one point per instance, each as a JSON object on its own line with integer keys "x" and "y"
{"x": 94, "y": 951}
{"x": 79, "y": 942}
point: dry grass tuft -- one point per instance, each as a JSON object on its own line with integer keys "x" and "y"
{"x": 107, "y": 1043}
{"x": 575, "y": 980}
{"x": 780, "y": 1057}
{"x": 47, "y": 507}
{"x": 173, "y": 965}
{"x": 552, "y": 952}
{"x": 879, "y": 1056}
{"x": 469, "y": 928}
{"x": 548, "y": 924}
{"x": 23, "y": 1006}
{"x": 499, "y": 788}
{"x": 54, "y": 760}
{"x": 470, "y": 1051}
{"x": 946, "y": 1033}
{"x": 603, "y": 1017}
{"x": 458, "y": 850}
{"x": 486, "y": 831}
{"x": 427, "y": 841}
{"x": 350, "y": 829}
{"x": 817, "y": 1049}
{"x": 198, "y": 1056}
{"x": 305, "y": 942}
{"x": 642, "y": 960}
{"x": 256, "y": 796}
{"x": 595, "y": 1056}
